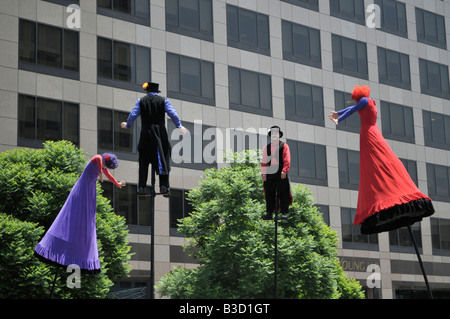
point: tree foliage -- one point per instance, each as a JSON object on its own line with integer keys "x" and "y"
{"x": 34, "y": 185}
{"x": 235, "y": 247}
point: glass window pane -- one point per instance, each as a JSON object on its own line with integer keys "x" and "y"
{"x": 265, "y": 89}
{"x": 401, "y": 17}
{"x": 49, "y": 48}
{"x": 105, "y": 129}
{"x": 397, "y": 118}
{"x": 26, "y": 116}
{"x": 104, "y": 58}
{"x": 126, "y": 204}
{"x": 141, "y": 9}
{"x": 27, "y": 41}
{"x": 430, "y": 26}
{"x": 143, "y": 69}
{"x": 346, "y": 225}
{"x": 145, "y": 211}
{"x": 301, "y": 41}
{"x": 314, "y": 40}
{"x": 393, "y": 66}
{"x": 206, "y": 24}
{"x": 71, "y": 51}
{"x": 175, "y": 207}
{"x": 441, "y": 31}
{"x": 263, "y": 31}
{"x": 71, "y": 123}
{"x": 349, "y": 54}
{"x": 122, "y": 6}
{"x": 307, "y": 160}
{"x": 287, "y": 37}
{"x": 437, "y": 128}
{"x": 420, "y": 24}
{"x": 207, "y": 79}
{"x": 122, "y": 61}
{"x": 172, "y": 12}
{"x": 304, "y": 100}
{"x": 362, "y": 57}
{"x": 353, "y": 167}
{"x": 232, "y": 24}
{"x": 442, "y": 188}
{"x": 234, "y": 85}
{"x": 190, "y": 76}
{"x": 444, "y": 231}
{"x": 337, "y": 51}
{"x": 435, "y": 240}
{"x": 248, "y": 27}
{"x": 105, "y": 3}
{"x": 122, "y": 138}
{"x": 406, "y": 78}
{"x": 289, "y": 97}
{"x": 189, "y": 15}
{"x": 48, "y": 120}
{"x": 250, "y": 85}
{"x": 173, "y": 72}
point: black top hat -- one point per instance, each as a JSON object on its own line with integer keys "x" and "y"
{"x": 275, "y": 127}
{"x": 151, "y": 87}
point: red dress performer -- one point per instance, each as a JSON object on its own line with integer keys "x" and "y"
{"x": 388, "y": 198}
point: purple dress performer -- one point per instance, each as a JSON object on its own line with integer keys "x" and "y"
{"x": 72, "y": 238}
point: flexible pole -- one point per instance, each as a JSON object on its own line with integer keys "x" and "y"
{"x": 411, "y": 234}
{"x": 276, "y": 242}
{"x": 54, "y": 282}
{"x": 152, "y": 244}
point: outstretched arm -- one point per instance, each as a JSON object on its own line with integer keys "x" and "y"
{"x": 135, "y": 112}
{"x": 112, "y": 179}
{"x": 341, "y": 115}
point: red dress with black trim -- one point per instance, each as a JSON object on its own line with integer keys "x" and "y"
{"x": 387, "y": 198}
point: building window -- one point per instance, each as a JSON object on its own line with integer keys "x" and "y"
{"x": 431, "y": 28}
{"x": 393, "y": 17}
{"x": 64, "y": 2}
{"x": 190, "y": 79}
{"x": 411, "y": 168}
{"x": 179, "y": 208}
{"x": 47, "y": 49}
{"x": 351, "y": 10}
{"x": 349, "y": 57}
{"x": 400, "y": 240}
{"x": 303, "y": 102}
{"x": 125, "y": 202}
{"x": 135, "y": 11}
{"x": 324, "y": 211}
{"x": 398, "y": 122}
{"x": 250, "y": 91}
{"x": 196, "y": 149}
{"x": 122, "y": 65}
{"x": 440, "y": 236}
{"x": 434, "y": 79}
{"x": 348, "y": 163}
{"x": 343, "y": 100}
{"x": 351, "y": 234}
{"x": 112, "y": 138}
{"x": 190, "y": 17}
{"x": 240, "y": 140}
{"x": 41, "y": 119}
{"x": 308, "y": 163}
{"x": 393, "y": 68}
{"x": 301, "y": 44}
{"x": 438, "y": 177}
{"x": 248, "y": 30}
{"x": 436, "y": 128}
{"x": 309, "y": 4}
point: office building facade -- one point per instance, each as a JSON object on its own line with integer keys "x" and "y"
{"x": 73, "y": 70}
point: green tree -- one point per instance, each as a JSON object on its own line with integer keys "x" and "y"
{"x": 34, "y": 185}
{"x": 235, "y": 247}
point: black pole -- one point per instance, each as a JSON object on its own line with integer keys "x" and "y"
{"x": 152, "y": 244}
{"x": 54, "y": 282}
{"x": 411, "y": 234}
{"x": 276, "y": 242}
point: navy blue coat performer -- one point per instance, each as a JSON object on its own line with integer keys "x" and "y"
{"x": 154, "y": 146}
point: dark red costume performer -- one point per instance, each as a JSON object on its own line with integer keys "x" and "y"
{"x": 388, "y": 198}
{"x": 275, "y": 165}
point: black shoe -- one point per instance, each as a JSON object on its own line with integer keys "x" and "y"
{"x": 142, "y": 191}
{"x": 165, "y": 191}
{"x": 267, "y": 217}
